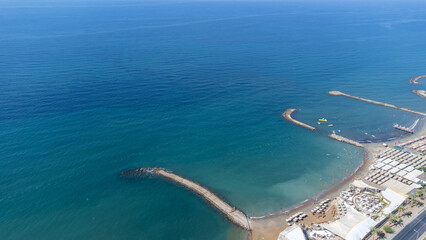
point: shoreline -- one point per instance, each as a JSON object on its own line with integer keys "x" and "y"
{"x": 274, "y": 223}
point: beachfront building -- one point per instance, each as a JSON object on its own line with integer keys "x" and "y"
{"x": 353, "y": 226}
{"x": 364, "y": 186}
{"x": 292, "y": 233}
{"x": 394, "y": 198}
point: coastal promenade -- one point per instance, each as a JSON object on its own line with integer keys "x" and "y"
{"x": 345, "y": 140}
{"x": 415, "y": 80}
{"x": 233, "y": 214}
{"x": 287, "y": 115}
{"x": 337, "y": 93}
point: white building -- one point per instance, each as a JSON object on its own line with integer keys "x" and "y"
{"x": 292, "y": 233}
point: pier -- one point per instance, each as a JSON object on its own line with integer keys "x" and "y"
{"x": 415, "y": 80}
{"x": 345, "y": 140}
{"x": 233, "y": 214}
{"x": 337, "y": 93}
{"x": 287, "y": 115}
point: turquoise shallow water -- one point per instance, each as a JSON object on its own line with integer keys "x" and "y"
{"x": 198, "y": 88}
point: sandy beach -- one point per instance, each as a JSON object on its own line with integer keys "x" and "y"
{"x": 269, "y": 227}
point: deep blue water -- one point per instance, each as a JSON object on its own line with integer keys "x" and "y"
{"x": 88, "y": 89}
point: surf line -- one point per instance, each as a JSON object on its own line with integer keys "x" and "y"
{"x": 235, "y": 215}
{"x": 337, "y": 93}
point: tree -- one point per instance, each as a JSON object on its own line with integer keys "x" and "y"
{"x": 377, "y": 232}
{"x": 401, "y": 209}
{"x": 394, "y": 219}
{"x": 388, "y": 229}
{"x": 409, "y": 213}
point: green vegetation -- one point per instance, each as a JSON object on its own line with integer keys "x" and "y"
{"x": 394, "y": 219}
{"x": 401, "y": 210}
{"x": 377, "y": 232}
{"x": 409, "y": 213}
{"x": 388, "y": 229}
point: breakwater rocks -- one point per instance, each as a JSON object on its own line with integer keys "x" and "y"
{"x": 421, "y": 93}
{"x": 287, "y": 115}
{"x": 337, "y": 93}
{"x": 345, "y": 140}
{"x": 415, "y": 80}
{"x": 233, "y": 214}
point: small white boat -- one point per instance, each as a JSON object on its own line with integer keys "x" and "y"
{"x": 330, "y": 125}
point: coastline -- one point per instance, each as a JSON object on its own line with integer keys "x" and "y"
{"x": 271, "y": 225}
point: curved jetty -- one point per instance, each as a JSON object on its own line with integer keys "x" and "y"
{"x": 421, "y": 93}
{"x": 415, "y": 80}
{"x": 233, "y": 214}
{"x": 337, "y": 93}
{"x": 343, "y": 139}
{"x": 287, "y": 115}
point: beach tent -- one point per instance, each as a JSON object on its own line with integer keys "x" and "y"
{"x": 394, "y": 170}
{"x": 387, "y": 161}
{"x": 401, "y": 173}
{"x": 387, "y": 167}
{"x": 413, "y": 174}
{"x": 292, "y": 233}
{"x": 393, "y": 163}
{"x": 402, "y": 166}
{"x": 380, "y": 165}
{"x": 409, "y": 169}
{"x": 395, "y": 198}
{"x": 353, "y": 226}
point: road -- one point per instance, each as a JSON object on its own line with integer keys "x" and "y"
{"x": 414, "y": 229}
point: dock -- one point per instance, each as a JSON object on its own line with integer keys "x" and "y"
{"x": 404, "y": 129}
{"x": 337, "y": 93}
{"x": 287, "y": 115}
{"x": 415, "y": 80}
{"x": 345, "y": 140}
{"x": 235, "y": 215}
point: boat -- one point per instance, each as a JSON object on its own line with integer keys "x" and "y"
{"x": 402, "y": 128}
{"x": 322, "y": 120}
{"x": 330, "y": 125}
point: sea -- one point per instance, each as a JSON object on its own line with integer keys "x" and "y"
{"x": 91, "y": 88}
